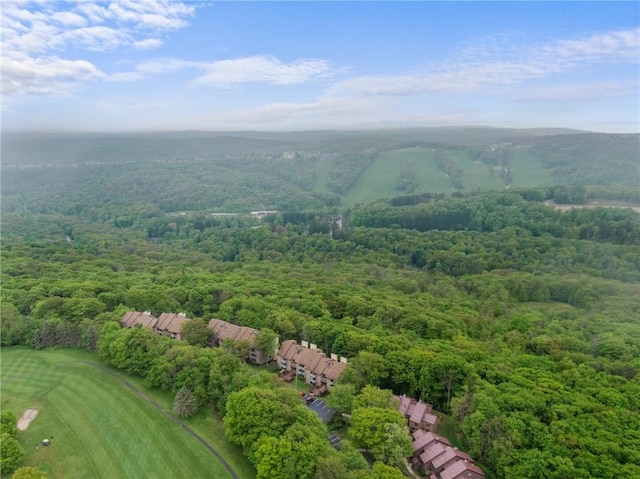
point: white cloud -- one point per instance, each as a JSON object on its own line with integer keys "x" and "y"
{"x": 490, "y": 68}
{"x": 334, "y": 108}
{"x": 581, "y": 90}
{"x": 23, "y": 75}
{"x": 255, "y": 69}
{"x": 69, "y": 19}
{"x": 147, "y": 44}
{"x": 155, "y": 67}
{"x": 151, "y": 14}
{"x": 37, "y": 36}
{"x": 94, "y": 12}
{"x": 609, "y": 46}
{"x": 263, "y": 69}
{"x": 97, "y": 38}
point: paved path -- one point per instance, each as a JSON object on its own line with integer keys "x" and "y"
{"x": 165, "y": 412}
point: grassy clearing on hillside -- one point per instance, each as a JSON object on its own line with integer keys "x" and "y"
{"x": 380, "y": 180}
{"x": 476, "y": 176}
{"x": 101, "y": 428}
{"x": 527, "y": 171}
{"x": 418, "y": 166}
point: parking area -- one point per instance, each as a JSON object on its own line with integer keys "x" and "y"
{"x": 334, "y": 441}
{"x": 320, "y": 408}
{"x": 324, "y": 412}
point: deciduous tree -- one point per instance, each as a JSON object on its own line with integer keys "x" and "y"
{"x": 373, "y": 396}
{"x": 8, "y": 423}
{"x": 341, "y": 398}
{"x": 196, "y": 332}
{"x": 184, "y": 402}
{"x": 28, "y": 472}
{"x": 11, "y": 453}
{"x": 369, "y": 428}
{"x": 266, "y": 342}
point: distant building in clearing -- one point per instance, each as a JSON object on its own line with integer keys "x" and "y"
{"x": 263, "y": 213}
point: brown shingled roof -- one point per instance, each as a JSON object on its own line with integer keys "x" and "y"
{"x": 131, "y": 318}
{"x": 226, "y": 331}
{"x": 418, "y": 411}
{"x": 405, "y": 404}
{"x": 214, "y": 323}
{"x": 333, "y": 369}
{"x": 223, "y": 330}
{"x": 457, "y": 468}
{"x": 318, "y": 363}
{"x": 313, "y": 360}
{"x": 430, "y": 418}
{"x": 171, "y": 322}
{"x": 307, "y": 357}
{"x": 246, "y": 333}
{"x": 426, "y": 439}
{"x": 449, "y": 454}
{"x": 287, "y": 349}
{"x": 432, "y": 451}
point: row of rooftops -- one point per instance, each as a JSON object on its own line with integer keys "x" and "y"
{"x": 440, "y": 460}
{"x": 223, "y": 330}
{"x": 418, "y": 414}
{"x": 312, "y": 359}
{"x": 170, "y": 324}
{"x": 166, "y": 322}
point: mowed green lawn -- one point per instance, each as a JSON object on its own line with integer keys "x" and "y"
{"x": 101, "y": 428}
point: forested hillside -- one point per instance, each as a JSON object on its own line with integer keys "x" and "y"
{"x": 519, "y": 322}
{"x": 87, "y": 173}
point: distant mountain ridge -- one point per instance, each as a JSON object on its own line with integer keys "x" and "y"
{"x": 278, "y": 170}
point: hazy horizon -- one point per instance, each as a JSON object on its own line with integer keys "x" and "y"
{"x": 344, "y": 129}
{"x": 163, "y": 66}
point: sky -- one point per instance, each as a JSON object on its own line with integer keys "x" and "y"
{"x": 140, "y": 65}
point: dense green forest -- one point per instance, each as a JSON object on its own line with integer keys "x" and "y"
{"x": 519, "y": 322}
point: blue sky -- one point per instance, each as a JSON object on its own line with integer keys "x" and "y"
{"x": 156, "y": 64}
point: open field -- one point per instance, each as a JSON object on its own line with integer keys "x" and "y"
{"x": 381, "y": 178}
{"x": 100, "y": 426}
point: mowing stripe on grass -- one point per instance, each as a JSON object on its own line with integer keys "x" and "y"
{"x": 166, "y": 413}
{"x": 101, "y": 429}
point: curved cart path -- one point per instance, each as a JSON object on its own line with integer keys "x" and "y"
{"x": 164, "y": 411}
